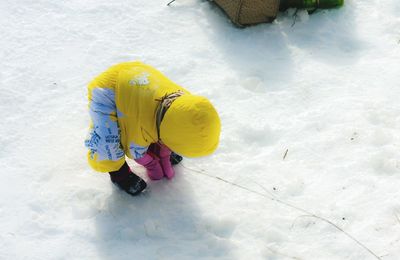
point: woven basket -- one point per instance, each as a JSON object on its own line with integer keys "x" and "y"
{"x": 249, "y": 12}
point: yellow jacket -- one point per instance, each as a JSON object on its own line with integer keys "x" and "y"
{"x": 123, "y": 102}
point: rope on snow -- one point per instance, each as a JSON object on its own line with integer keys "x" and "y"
{"x": 307, "y": 213}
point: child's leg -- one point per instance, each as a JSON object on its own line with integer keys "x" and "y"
{"x": 126, "y": 180}
{"x": 175, "y": 158}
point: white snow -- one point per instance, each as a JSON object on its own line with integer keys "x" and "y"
{"x": 310, "y": 116}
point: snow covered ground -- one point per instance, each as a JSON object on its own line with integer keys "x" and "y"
{"x": 310, "y": 116}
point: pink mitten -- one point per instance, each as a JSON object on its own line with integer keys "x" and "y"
{"x": 152, "y": 165}
{"x": 164, "y": 154}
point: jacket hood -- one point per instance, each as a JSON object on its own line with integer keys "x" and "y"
{"x": 191, "y": 126}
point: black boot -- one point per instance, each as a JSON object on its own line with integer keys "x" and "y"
{"x": 175, "y": 158}
{"x": 126, "y": 180}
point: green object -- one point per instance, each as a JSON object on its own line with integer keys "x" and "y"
{"x": 321, "y": 3}
{"x": 310, "y": 4}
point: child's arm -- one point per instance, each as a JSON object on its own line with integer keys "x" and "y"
{"x": 104, "y": 144}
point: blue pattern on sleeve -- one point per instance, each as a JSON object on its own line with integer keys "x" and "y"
{"x": 137, "y": 151}
{"x": 104, "y": 138}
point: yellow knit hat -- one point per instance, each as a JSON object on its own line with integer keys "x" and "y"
{"x": 191, "y": 126}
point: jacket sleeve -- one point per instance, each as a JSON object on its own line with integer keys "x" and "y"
{"x": 104, "y": 141}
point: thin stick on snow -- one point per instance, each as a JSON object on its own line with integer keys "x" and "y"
{"x": 397, "y": 217}
{"x": 308, "y": 213}
{"x": 282, "y": 254}
{"x": 284, "y": 156}
{"x": 171, "y": 2}
{"x": 294, "y": 17}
